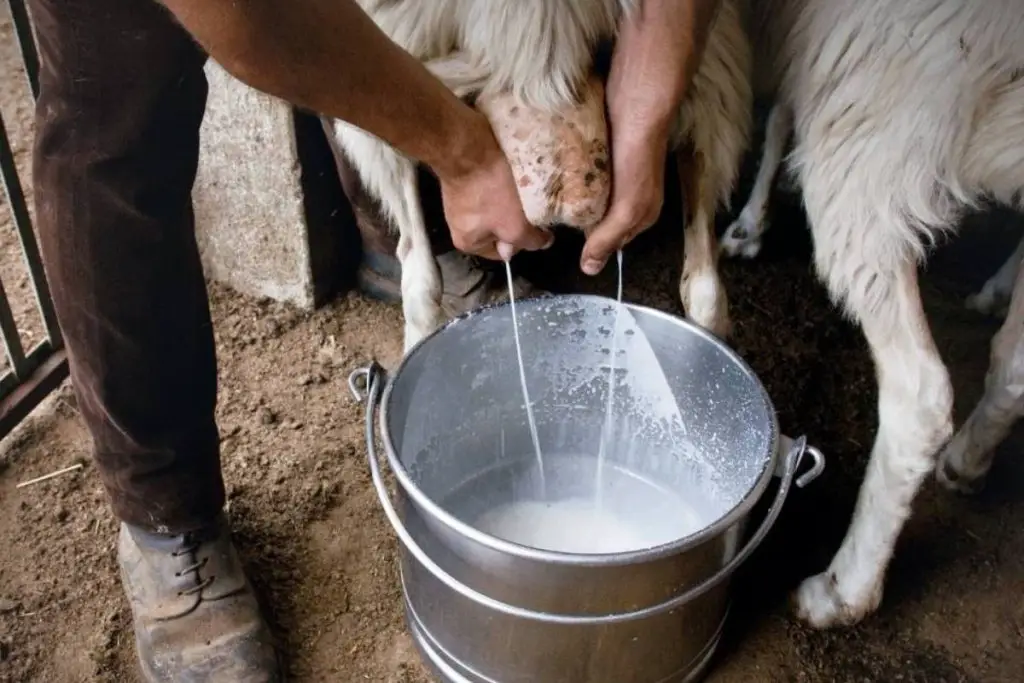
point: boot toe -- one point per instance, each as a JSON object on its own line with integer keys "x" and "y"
{"x": 215, "y": 644}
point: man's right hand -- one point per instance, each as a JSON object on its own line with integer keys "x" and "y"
{"x": 374, "y": 84}
{"x": 481, "y": 203}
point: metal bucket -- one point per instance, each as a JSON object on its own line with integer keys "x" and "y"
{"x": 483, "y": 609}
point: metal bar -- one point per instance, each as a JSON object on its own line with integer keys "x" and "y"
{"x": 27, "y": 43}
{"x": 8, "y": 383}
{"x": 33, "y": 376}
{"x": 12, "y": 338}
{"x": 36, "y": 357}
{"x": 29, "y": 248}
{"x": 16, "y": 406}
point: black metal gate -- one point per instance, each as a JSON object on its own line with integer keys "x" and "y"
{"x": 35, "y": 372}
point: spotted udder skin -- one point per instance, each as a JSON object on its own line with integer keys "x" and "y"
{"x": 560, "y": 159}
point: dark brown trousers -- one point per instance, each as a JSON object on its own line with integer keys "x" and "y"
{"x": 122, "y": 96}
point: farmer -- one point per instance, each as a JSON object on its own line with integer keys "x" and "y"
{"x": 122, "y": 95}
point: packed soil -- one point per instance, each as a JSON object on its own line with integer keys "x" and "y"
{"x": 317, "y": 546}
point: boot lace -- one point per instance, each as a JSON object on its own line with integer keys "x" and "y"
{"x": 189, "y": 548}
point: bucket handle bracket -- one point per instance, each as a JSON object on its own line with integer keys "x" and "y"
{"x": 359, "y": 381}
{"x": 787, "y": 445}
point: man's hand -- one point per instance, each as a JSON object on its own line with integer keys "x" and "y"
{"x": 656, "y": 54}
{"x": 638, "y": 192}
{"x": 482, "y": 206}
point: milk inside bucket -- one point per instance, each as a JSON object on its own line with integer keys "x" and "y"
{"x": 566, "y": 566}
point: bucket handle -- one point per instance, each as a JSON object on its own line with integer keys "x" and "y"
{"x": 367, "y": 386}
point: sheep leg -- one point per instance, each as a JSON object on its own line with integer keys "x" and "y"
{"x": 966, "y": 460}
{"x": 994, "y": 297}
{"x": 391, "y": 178}
{"x": 875, "y": 278}
{"x": 743, "y": 236}
{"x": 700, "y": 287}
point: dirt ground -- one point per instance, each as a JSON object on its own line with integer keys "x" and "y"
{"x": 316, "y": 544}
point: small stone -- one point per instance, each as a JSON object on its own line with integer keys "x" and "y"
{"x": 7, "y": 605}
{"x": 305, "y": 380}
{"x": 267, "y": 416}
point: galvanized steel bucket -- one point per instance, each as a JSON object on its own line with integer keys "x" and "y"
{"x": 486, "y": 610}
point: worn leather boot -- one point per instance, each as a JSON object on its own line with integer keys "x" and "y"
{"x": 195, "y": 614}
{"x": 467, "y": 282}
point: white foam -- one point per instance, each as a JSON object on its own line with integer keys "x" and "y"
{"x": 580, "y": 526}
{"x": 573, "y": 526}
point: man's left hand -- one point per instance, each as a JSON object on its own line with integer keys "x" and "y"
{"x": 638, "y": 192}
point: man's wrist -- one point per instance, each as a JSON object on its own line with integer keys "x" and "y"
{"x": 657, "y": 53}
{"x": 467, "y": 145}
{"x": 644, "y": 124}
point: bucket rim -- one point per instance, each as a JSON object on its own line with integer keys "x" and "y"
{"x": 624, "y": 558}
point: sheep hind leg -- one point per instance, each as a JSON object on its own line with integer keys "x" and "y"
{"x": 966, "y": 460}
{"x": 743, "y": 237}
{"x": 391, "y": 178}
{"x": 863, "y": 269}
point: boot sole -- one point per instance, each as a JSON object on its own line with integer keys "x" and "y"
{"x": 150, "y": 677}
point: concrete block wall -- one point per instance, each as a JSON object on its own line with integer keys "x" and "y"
{"x": 269, "y": 210}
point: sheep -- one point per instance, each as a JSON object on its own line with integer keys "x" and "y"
{"x": 536, "y": 57}
{"x": 904, "y": 114}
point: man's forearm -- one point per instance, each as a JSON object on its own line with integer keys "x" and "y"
{"x": 657, "y": 51}
{"x": 329, "y": 56}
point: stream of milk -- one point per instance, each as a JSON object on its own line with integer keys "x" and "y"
{"x": 634, "y": 516}
{"x": 522, "y": 381}
{"x": 599, "y": 484}
{"x": 602, "y": 448}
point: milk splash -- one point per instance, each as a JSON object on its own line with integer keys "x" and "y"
{"x": 522, "y": 381}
